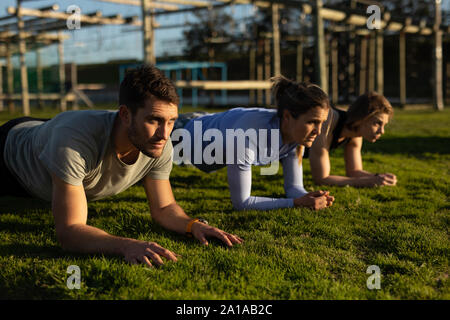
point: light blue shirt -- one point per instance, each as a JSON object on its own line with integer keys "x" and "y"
{"x": 259, "y": 150}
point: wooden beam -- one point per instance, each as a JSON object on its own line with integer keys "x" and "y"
{"x": 64, "y": 16}
{"x": 220, "y": 85}
{"x": 193, "y": 3}
{"x": 137, "y": 3}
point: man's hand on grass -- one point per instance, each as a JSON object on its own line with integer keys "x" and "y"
{"x": 149, "y": 253}
{"x": 201, "y": 231}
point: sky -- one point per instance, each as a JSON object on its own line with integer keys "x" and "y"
{"x": 101, "y": 44}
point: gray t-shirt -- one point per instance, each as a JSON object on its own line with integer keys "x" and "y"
{"x": 77, "y": 147}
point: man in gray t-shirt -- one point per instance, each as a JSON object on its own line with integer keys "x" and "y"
{"x": 88, "y": 155}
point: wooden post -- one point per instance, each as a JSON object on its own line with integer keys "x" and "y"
{"x": 74, "y": 82}
{"x": 372, "y": 62}
{"x": 62, "y": 76}
{"x": 23, "y": 66}
{"x": 299, "y": 61}
{"x": 321, "y": 75}
{"x": 39, "y": 78}
{"x": 402, "y": 66}
{"x": 380, "y": 62}
{"x": 10, "y": 77}
{"x": 252, "y": 70}
{"x": 447, "y": 92}
{"x": 276, "y": 40}
{"x": 299, "y": 77}
{"x": 352, "y": 58}
{"x": 148, "y": 33}
{"x": 438, "y": 85}
{"x": 259, "y": 75}
{"x": 1, "y": 86}
{"x": 335, "y": 69}
{"x": 259, "y": 69}
{"x": 363, "y": 66}
{"x": 267, "y": 68}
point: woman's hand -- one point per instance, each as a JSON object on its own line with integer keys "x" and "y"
{"x": 384, "y": 179}
{"x": 316, "y": 200}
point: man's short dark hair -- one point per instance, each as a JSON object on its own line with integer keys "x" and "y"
{"x": 144, "y": 82}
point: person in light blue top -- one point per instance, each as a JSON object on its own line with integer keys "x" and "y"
{"x": 244, "y": 137}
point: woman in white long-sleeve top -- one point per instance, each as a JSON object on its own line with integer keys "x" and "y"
{"x": 212, "y": 141}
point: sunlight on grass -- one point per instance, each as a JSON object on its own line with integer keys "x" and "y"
{"x": 287, "y": 254}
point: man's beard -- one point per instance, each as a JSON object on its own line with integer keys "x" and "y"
{"x": 140, "y": 144}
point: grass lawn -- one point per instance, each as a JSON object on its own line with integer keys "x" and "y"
{"x": 287, "y": 254}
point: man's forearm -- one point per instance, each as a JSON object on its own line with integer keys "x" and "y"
{"x": 171, "y": 217}
{"x": 87, "y": 239}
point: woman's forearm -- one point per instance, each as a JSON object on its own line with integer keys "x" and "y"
{"x": 361, "y": 181}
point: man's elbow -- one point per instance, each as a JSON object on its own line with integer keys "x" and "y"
{"x": 65, "y": 238}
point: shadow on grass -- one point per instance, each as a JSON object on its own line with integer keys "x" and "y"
{"x": 410, "y": 145}
{"x": 21, "y": 206}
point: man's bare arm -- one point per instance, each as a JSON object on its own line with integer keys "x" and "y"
{"x": 169, "y": 214}
{"x": 69, "y": 207}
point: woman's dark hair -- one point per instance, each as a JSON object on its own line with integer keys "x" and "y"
{"x": 367, "y": 105}
{"x": 144, "y": 82}
{"x": 297, "y": 98}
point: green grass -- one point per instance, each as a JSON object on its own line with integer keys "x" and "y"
{"x": 287, "y": 254}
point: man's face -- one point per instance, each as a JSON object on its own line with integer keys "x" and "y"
{"x": 151, "y": 126}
